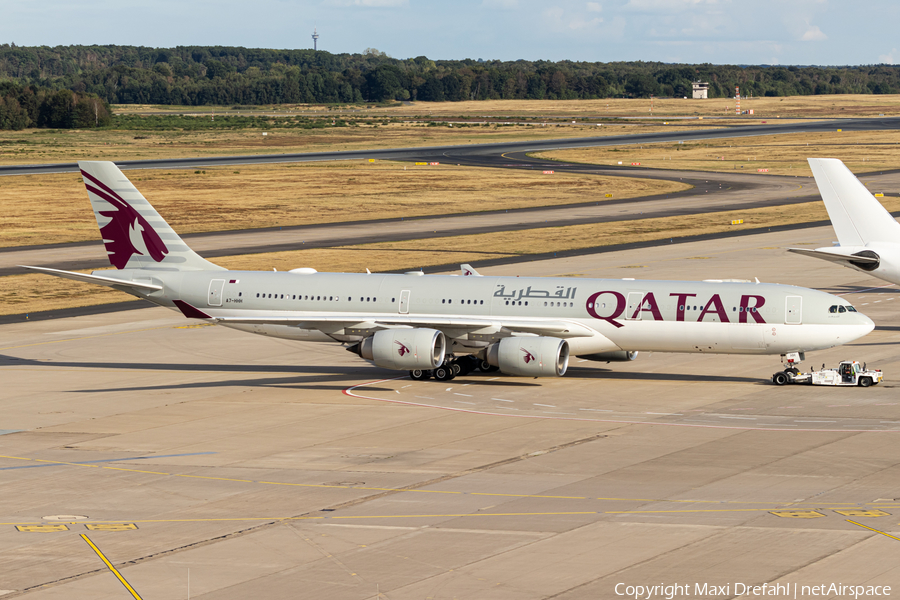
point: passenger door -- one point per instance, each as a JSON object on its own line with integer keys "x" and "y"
{"x": 404, "y": 302}
{"x": 215, "y": 292}
{"x": 793, "y": 310}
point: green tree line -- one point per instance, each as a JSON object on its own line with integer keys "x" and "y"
{"x": 30, "y": 106}
{"x": 217, "y": 75}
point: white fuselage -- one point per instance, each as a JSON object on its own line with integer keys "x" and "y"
{"x": 603, "y": 315}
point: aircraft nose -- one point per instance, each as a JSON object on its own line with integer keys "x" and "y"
{"x": 864, "y": 326}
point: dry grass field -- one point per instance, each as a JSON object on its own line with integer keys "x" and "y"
{"x": 33, "y": 146}
{"x": 42, "y": 292}
{"x": 861, "y": 151}
{"x": 42, "y": 209}
{"x": 823, "y": 106}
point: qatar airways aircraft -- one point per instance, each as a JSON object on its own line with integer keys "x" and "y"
{"x": 441, "y": 325}
{"x": 868, "y": 236}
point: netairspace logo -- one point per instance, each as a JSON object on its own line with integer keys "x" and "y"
{"x": 780, "y": 590}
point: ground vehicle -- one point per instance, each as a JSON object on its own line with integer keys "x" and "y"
{"x": 849, "y": 372}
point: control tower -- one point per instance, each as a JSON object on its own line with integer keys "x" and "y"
{"x": 701, "y": 89}
{"x": 315, "y": 37}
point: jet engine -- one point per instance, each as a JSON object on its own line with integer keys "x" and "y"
{"x": 403, "y": 349}
{"x": 617, "y": 356}
{"x": 866, "y": 266}
{"x": 530, "y": 356}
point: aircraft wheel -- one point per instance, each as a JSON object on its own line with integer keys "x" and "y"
{"x": 468, "y": 364}
{"x": 865, "y": 381}
{"x": 779, "y": 379}
{"x": 444, "y": 373}
{"x": 486, "y": 367}
{"x": 419, "y": 374}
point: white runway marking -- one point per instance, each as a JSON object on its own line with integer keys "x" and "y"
{"x": 699, "y": 423}
{"x": 466, "y": 395}
{"x": 502, "y": 400}
{"x": 544, "y": 405}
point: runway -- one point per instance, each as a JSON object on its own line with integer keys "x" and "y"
{"x": 275, "y": 469}
{"x": 483, "y": 153}
{"x": 712, "y": 192}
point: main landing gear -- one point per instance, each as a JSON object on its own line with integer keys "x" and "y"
{"x": 453, "y": 367}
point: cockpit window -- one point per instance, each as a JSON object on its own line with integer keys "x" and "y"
{"x": 837, "y": 308}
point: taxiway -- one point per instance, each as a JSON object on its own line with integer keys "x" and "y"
{"x": 254, "y": 467}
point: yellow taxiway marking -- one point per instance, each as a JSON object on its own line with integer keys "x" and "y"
{"x": 110, "y": 566}
{"x": 120, "y": 526}
{"x": 110, "y": 526}
{"x": 862, "y": 512}
{"x": 42, "y": 528}
{"x": 416, "y": 491}
{"x": 797, "y": 514}
{"x": 875, "y": 530}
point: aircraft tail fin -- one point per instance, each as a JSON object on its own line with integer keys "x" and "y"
{"x": 857, "y": 217}
{"x": 469, "y": 271}
{"x": 135, "y": 235}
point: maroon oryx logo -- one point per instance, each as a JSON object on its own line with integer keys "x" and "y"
{"x": 528, "y": 355}
{"x": 128, "y": 233}
{"x": 403, "y": 350}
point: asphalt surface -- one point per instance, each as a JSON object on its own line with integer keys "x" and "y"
{"x": 276, "y": 469}
{"x": 482, "y": 154}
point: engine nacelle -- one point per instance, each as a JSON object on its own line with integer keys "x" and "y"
{"x": 617, "y": 356}
{"x": 530, "y": 356}
{"x": 404, "y": 349}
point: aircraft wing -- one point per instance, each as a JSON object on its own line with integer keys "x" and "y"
{"x": 837, "y": 257}
{"x": 329, "y": 323}
{"x": 98, "y": 280}
{"x": 372, "y": 322}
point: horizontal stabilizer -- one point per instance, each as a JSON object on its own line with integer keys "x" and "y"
{"x": 835, "y": 256}
{"x": 97, "y": 279}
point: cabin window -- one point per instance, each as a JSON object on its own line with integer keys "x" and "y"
{"x": 507, "y": 302}
{"x": 374, "y": 298}
{"x": 526, "y": 303}
{"x": 257, "y": 295}
{"x": 393, "y": 299}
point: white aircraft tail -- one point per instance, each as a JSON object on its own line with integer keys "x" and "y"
{"x": 135, "y": 235}
{"x": 858, "y": 218}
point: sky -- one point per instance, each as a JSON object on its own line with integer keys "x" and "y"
{"x": 784, "y": 32}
